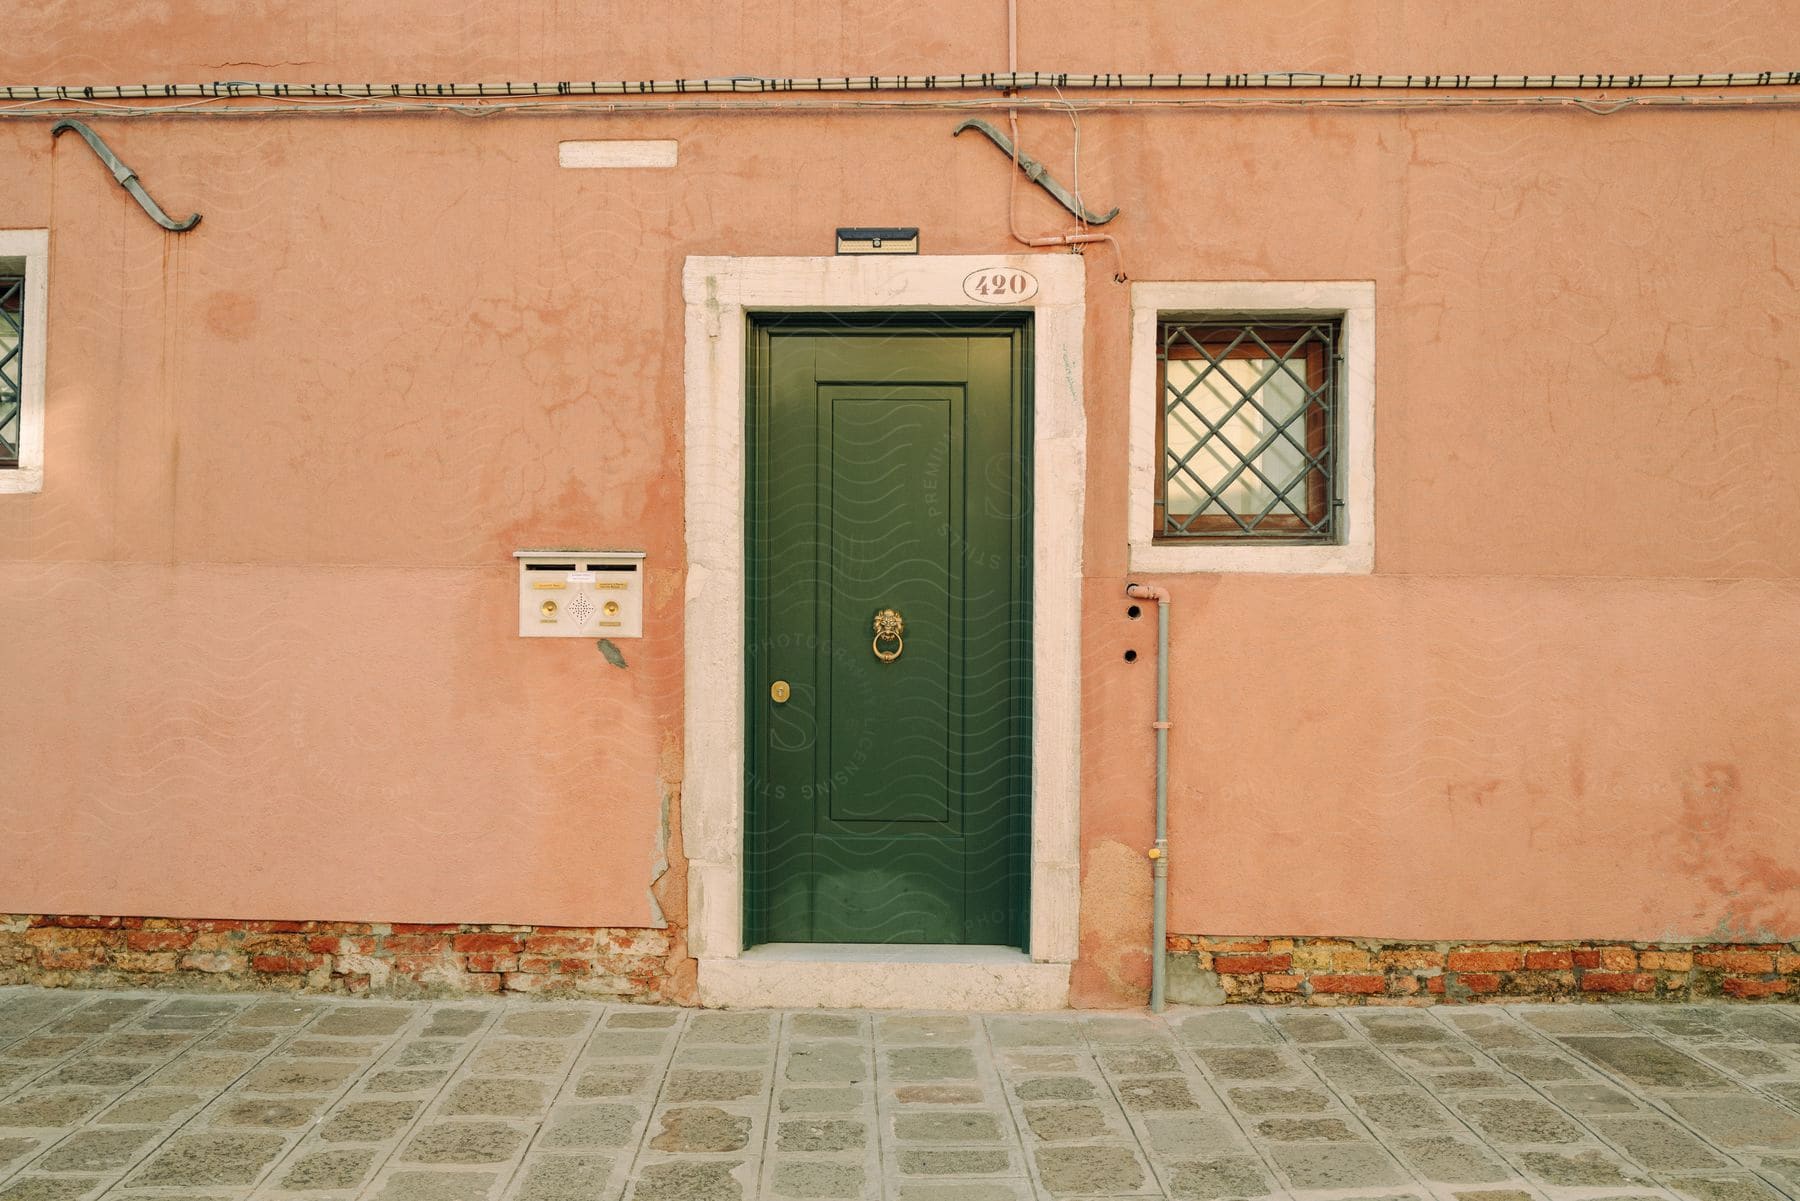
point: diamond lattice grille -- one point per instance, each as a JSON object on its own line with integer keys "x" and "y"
{"x": 1248, "y": 431}
{"x": 12, "y": 365}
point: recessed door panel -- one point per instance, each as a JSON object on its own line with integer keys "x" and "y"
{"x": 889, "y": 549}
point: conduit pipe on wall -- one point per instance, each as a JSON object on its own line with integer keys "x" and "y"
{"x": 1081, "y": 236}
{"x": 40, "y": 110}
{"x": 1159, "y": 854}
{"x": 976, "y": 81}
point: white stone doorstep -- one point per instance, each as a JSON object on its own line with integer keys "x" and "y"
{"x": 855, "y": 979}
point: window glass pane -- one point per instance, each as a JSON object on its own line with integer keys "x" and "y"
{"x": 1216, "y": 431}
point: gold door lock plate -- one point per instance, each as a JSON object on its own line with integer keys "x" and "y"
{"x": 779, "y": 692}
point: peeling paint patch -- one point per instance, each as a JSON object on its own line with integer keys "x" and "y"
{"x": 660, "y": 867}
{"x": 1114, "y": 965}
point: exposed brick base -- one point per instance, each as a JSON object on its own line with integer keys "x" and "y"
{"x": 400, "y": 959}
{"x": 333, "y": 957}
{"x": 1366, "y": 971}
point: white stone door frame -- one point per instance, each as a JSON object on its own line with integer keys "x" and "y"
{"x": 720, "y": 294}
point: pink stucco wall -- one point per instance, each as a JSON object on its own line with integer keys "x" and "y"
{"x": 259, "y": 658}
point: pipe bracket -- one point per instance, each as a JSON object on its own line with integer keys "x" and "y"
{"x": 1036, "y": 172}
{"x": 125, "y": 175}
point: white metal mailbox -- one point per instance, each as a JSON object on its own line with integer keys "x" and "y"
{"x": 581, "y": 593}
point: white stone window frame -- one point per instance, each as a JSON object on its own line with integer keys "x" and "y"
{"x": 1353, "y": 303}
{"x": 29, "y": 249}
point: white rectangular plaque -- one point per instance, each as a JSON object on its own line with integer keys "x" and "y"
{"x": 617, "y": 153}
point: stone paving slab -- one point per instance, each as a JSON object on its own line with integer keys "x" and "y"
{"x": 154, "y": 1096}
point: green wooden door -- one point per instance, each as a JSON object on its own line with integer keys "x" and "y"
{"x": 889, "y": 469}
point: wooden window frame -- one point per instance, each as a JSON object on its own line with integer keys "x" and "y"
{"x": 1280, "y": 337}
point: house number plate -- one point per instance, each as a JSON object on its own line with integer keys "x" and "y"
{"x": 1000, "y": 285}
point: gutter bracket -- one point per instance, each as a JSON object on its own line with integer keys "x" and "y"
{"x": 125, "y": 175}
{"x": 1035, "y": 172}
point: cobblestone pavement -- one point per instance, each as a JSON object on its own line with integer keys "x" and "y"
{"x": 172, "y": 1095}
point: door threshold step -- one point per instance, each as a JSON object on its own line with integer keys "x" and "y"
{"x": 883, "y": 976}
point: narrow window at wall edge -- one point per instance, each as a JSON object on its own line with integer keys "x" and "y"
{"x": 24, "y": 301}
{"x": 1249, "y": 429}
{"x": 12, "y": 361}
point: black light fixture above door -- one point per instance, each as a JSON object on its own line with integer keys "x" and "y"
{"x": 873, "y": 240}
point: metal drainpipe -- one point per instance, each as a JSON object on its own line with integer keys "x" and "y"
{"x": 1159, "y": 854}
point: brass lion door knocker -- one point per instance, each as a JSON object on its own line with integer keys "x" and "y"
{"x": 889, "y": 625}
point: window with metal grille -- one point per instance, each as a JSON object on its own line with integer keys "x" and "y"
{"x": 1248, "y": 430}
{"x": 12, "y": 367}
{"x": 24, "y": 300}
